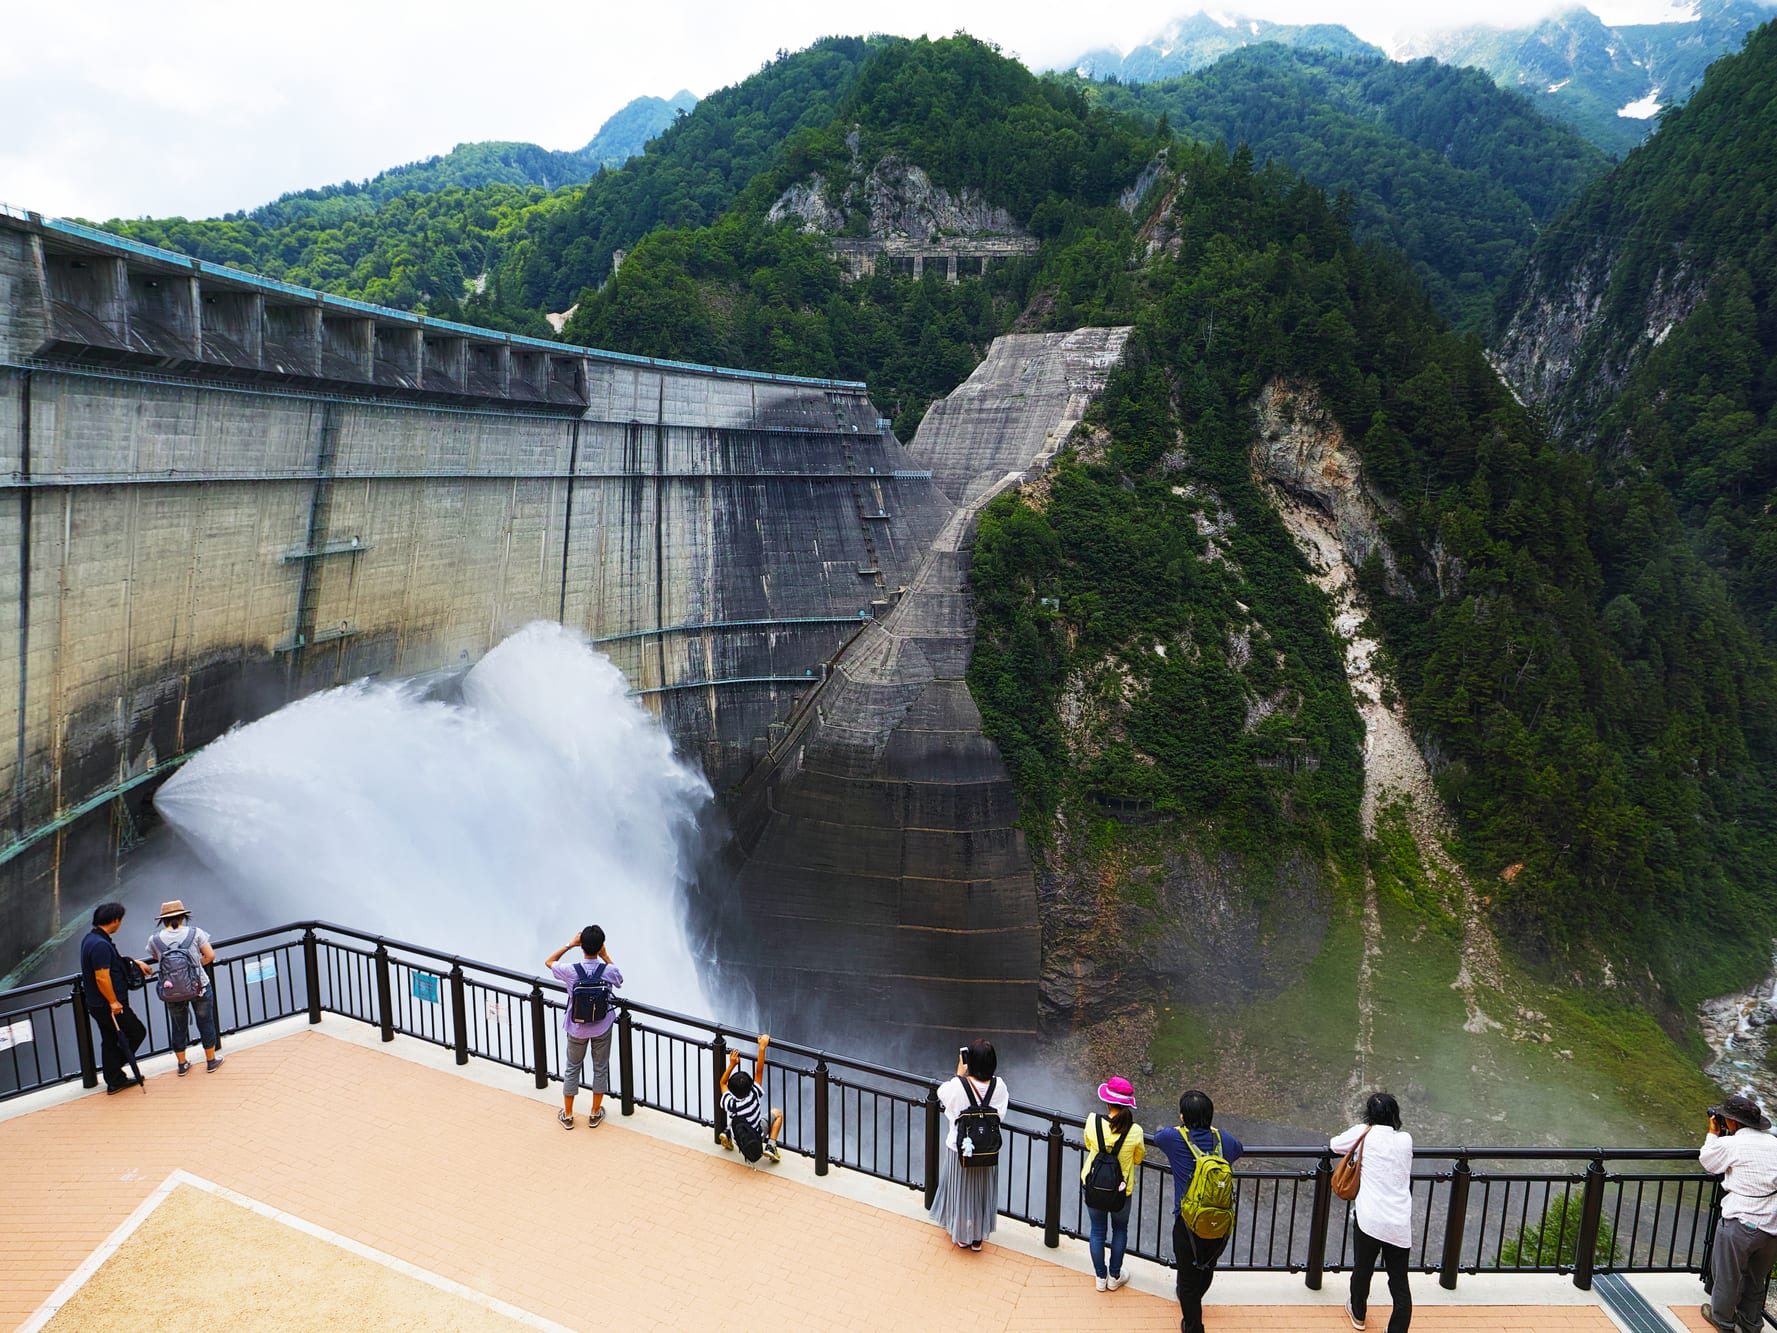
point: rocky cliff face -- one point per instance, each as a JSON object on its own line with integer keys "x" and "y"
{"x": 1573, "y": 337}
{"x": 1300, "y": 447}
{"x": 894, "y": 198}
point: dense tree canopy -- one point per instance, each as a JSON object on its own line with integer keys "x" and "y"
{"x": 1438, "y": 162}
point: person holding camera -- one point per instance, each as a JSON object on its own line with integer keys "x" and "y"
{"x": 587, "y": 1020}
{"x": 967, "y": 1203}
{"x": 1739, "y": 1148}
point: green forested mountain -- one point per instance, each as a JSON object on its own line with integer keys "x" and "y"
{"x": 689, "y": 176}
{"x": 533, "y": 250}
{"x": 1634, "y": 800}
{"x": 1598, "y": 716}
{"x": 1668, "y": 270}
{"x": 1437, "y": 162}
{"x": 1607, "y": 81}
{"x": 747, "y": 293}
{"x": 1562, "y": 752}
{"x": 471, "y": 166}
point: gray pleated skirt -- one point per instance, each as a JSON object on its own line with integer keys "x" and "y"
{"x": 967, "y": 1202}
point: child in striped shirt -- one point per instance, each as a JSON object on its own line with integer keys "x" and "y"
{"x": 743, "y": 1106}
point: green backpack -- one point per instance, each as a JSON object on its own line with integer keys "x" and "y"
{"x": 1208, "y": 1205}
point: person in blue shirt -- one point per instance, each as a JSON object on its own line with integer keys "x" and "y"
{"x": 1195, "y": 1255}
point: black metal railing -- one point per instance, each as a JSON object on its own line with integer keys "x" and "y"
{"x": 1479, "y": 1210}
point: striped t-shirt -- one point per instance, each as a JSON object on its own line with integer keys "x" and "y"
{"x": 750, "y": 1107}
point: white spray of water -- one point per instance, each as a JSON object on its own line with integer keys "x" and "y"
{"x": 493, "y": 828}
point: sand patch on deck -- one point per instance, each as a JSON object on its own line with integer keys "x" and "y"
{"x": 201, "y": 1262}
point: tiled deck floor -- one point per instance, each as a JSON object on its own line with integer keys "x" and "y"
{"x": 479, "y": 1185}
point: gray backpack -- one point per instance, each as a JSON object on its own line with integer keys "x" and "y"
{"x": 181, "y": 975}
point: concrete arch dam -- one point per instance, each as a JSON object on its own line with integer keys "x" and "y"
{"x": 222, "y": 492}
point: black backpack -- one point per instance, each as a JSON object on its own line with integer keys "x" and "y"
{"x": 590, "y": 999}
{"x": 1104, "y": 1178}
{"x": 744, "y": 1132}
{"x": 978, "y": 1128}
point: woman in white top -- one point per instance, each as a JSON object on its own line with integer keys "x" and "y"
{"x": 1383, "y": 1212}
{"x": 967, "y": 1204}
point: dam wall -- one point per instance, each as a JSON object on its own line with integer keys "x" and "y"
{"x": 219, "y": 493}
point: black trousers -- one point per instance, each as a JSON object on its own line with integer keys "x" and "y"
{"x": 111, "y": 1052}
{"x": 1365, "y": 1249}
{"x": 1196, "y": 1258}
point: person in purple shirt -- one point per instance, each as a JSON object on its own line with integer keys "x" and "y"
{"x": 582, "y": 1037}
{"x": 1195, "y": 1255}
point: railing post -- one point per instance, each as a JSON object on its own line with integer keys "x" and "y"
{"x": 1585, "y": 1252}
{"x": 822, "y": 1144}
{"x": 459, "y": 1012}
{"x": 718, "y": 1067}
{"x": 1319, "y": 1217}
{"x": 83, "y": 1040}
{"x": 933, "y": 1143}
{"x": 1454, "y": 1221}
{"x": 311, "y": 973}
{"x": 539, "y": 1036}
{"x": 385, "y": 1002}
{"x": 626, "y": 1069}
{"x": 1052, "y": 1199}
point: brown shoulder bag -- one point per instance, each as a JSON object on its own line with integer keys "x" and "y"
{"x": 1348, "y": 1174}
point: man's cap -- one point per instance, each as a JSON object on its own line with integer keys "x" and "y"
{"x": 1742, "y": 1108}
{"x": 173, "y": 907}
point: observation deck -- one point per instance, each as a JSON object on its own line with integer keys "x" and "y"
{"x": 380, "y": 1150}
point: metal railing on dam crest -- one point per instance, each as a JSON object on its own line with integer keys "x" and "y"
{"x": 1571, "y": 1211}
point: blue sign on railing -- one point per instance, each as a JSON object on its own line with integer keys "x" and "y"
{"x": 425, "y": 987}
{"x": 259, "y": 969}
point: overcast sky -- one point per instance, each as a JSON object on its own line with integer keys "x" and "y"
{"x": 199, "y": 107}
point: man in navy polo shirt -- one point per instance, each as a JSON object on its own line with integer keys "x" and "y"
{"x": 1195, "y": 1255}
{"x": 105, "y": 980}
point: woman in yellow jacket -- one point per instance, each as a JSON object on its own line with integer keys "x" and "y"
{"x": 1112, "y": 1134}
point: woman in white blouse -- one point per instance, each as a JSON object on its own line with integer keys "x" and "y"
{"x": 967, "y": 1204}
{"x": 1383, "y": 1212}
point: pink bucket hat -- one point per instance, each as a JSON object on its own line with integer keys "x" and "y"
{"x": 1117, "y": 1092}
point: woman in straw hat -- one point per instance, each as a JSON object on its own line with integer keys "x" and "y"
{"x": 1115, "y": 1137}
{"x": 183, "y": 952}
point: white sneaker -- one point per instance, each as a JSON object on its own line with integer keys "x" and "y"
{"x": 1103, "y": 1285}
{"x": 1117, "y": 1280}
{"x": 1355, "y": 1321}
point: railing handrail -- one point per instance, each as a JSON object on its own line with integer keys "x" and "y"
{"x": 924, "y": 1082}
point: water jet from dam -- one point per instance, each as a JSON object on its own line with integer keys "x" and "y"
{"x": 543, "y": 799}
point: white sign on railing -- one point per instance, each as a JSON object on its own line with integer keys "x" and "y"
{"x": 260, "y": 969}
{"x": 16, "y": 1033}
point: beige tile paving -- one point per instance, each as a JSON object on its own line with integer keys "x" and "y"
{"x": 606, "y": 1228}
